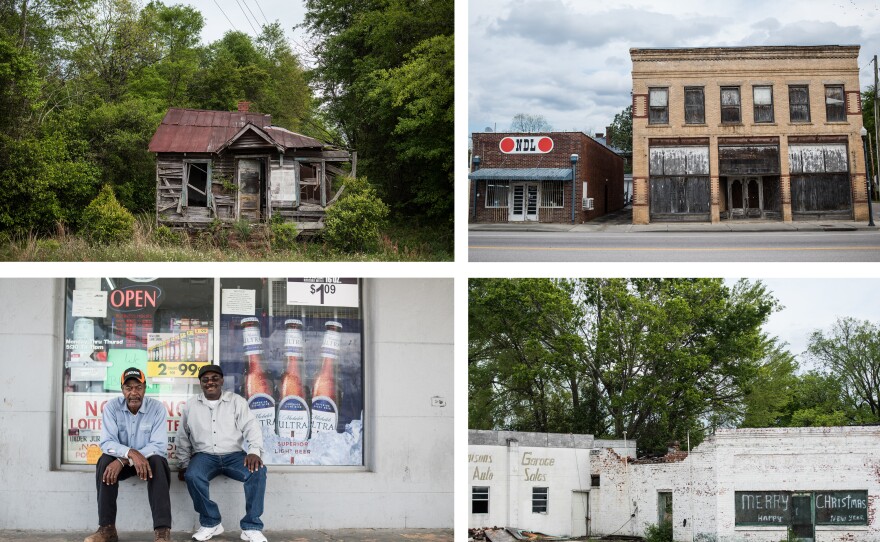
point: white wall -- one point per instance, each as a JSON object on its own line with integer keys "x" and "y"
{"x": 408, "y": 443}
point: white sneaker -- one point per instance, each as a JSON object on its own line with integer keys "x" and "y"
{"x": 205, "y": 533}
{"x": 253, "y": 536}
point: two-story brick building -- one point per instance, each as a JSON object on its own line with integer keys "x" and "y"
{"x": 747, "y": 132}
{"x": 543, "y": 177}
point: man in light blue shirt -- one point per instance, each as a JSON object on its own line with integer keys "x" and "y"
{"x": 134, "y": 441}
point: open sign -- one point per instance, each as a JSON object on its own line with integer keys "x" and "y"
{"x": 526, "y": 145}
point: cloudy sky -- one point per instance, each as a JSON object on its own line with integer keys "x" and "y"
{"x": 569, "y": 59}
{"x": 247, "y": 16}
{"x": 811, "y": 304}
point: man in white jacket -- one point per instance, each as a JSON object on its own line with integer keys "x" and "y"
{"x": 219, "y": 435}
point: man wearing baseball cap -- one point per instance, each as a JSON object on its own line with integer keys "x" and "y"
{"x": 134, "y": 440}
{"x": 219, "y": 435}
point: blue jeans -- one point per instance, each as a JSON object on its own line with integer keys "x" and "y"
{"x": 205, "y": 467}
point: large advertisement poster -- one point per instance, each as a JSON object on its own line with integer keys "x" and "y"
{"x": 291, "y": 347}
{"x": 300, "y": 368}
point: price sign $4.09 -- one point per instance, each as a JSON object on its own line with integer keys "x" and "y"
{"x": 173, "y": 370}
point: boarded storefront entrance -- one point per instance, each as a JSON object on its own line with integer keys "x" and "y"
{"x": 749, "y": 178}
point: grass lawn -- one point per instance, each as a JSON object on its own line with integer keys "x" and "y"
{"x": 401, "y": 242}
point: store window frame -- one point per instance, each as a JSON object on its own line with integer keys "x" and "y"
{"x": 59, "y": 363}
{"x": 479, "y": 495}
{"x": 540, "y": 500}
{"x": 658, "y": 113}
{"x": 500, "y": 194}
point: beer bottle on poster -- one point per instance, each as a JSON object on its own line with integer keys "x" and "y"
{"x": 325, "y": 412}
{"x": 258, "y": 387}
{"x": 293, "y": 411}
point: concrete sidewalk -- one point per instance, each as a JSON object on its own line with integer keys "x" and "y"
{"x": 323, "y": 535}
{"x": 621, "y": 222}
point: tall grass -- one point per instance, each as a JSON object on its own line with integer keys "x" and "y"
{"x": 400, "y": 243}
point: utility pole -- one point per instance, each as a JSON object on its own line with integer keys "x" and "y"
{"x": 876, "y": 119}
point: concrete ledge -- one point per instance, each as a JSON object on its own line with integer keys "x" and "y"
{"x": 323, "y": 535}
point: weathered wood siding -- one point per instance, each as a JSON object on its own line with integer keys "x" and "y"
{"x": 828, "y": 193}
{"x": 680, "y": 198}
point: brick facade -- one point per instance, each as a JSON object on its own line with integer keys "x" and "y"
{"x": 601, "y": 168}
{"x": 779, "y": 67}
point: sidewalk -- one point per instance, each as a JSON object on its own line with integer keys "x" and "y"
{"x": 322, "y": 535}
{"x": 621, "y": 222}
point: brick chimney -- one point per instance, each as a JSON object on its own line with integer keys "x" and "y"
{"x": 608, "y": 133}
{"x": 243, "y": 106}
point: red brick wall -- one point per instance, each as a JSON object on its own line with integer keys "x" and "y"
{"x": 595, "y": 164}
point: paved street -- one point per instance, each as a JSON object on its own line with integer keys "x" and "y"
{"x": 615, "y": 239}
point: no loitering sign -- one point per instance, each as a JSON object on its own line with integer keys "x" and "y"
{"x": 526, "y": 145}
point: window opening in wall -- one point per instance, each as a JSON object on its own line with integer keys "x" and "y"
{"x": 658, "y": 106}
{"x": 594, "y": 480}
{"x": 479, "y": 500}
{"x": 763, "y": 98}
{"x": 197, "y": 184}
{"x": 539, "y": 500}
{"x": 835, "y": 109}
{"x": 799, "y": 103}
{"x": 694, "y": 105}
{"x": 730, "y": 105}
{"x": 664, "y": 507}
{"x": 496, "y": 193}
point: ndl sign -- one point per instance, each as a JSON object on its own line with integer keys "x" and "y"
{"x": 526, "y": 145}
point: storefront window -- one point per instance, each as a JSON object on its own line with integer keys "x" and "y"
{"x": 496, "y": 193}
{"x": 291, "y": 347}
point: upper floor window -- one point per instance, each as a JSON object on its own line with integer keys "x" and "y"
{"x": 835, "y": 106}
{"x": 799, "y": 103}
{"x": 658, "y": 106}
{"x": 763, "y": 98}
{"x": 730, "y": 105}
{"x": 694, "y": 106}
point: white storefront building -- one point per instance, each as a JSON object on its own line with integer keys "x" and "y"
{"x": 816, "y": 484}
{"x": 64, "y": 341}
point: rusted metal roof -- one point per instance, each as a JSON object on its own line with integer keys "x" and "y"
{"x": 195, "y": 130}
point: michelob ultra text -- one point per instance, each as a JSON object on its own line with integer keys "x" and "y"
{"x": 258, "y": 386}
{"x": 325, "y": 412}
{"x": 293, "y": 411}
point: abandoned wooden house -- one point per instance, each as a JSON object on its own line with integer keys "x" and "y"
{"x": 231, "y": 165}
{"x": 769, "y": 133}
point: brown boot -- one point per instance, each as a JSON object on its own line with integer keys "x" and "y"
{"x": 163, "y": 534}
{"x": 105, "y": 533}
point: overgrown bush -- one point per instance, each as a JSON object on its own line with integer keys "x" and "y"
{"x": 659, "y": 533}
{"x": 166, "y": 236}
{"x": 282, "y": 235}
{"x": 243, "y": 229}
{"x": 105, "y": 220}
{"x": 353, "y": 223}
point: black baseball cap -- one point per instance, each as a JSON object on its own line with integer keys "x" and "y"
{"x": 210, "y": 369}
{"x": 132, "y": 372}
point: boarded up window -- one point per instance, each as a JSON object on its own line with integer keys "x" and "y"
{"x": 680, "y": 196}
{"x": 824, "y": 158}
{"x": 763, "y": 98}
{"x": 820, "y": 193}
{"x": 799, "y": 103}
{"x": 679, "y": 161}
{"x": 552, "y": 194}
{"x": 730, "y": 104}
{"x": 658, "y": 110}
{"x": 835, "y": 107}
{"x": 748, "y": 160}
{"x": 841, "y": 507}
{"x": 496, "y": 193}
{"x": 694, "y": 105}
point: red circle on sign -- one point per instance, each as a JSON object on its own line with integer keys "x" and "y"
{"x": 507, "y": 144}
{"x": 545, "y": 144}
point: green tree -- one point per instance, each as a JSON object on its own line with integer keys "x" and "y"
{"x": 850, "y": 351}
{"x": 770, "y": 396}
{"x": 622, "y": 130}
{"x": 356, "y": 44}
{"x": 655, "y": 358}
